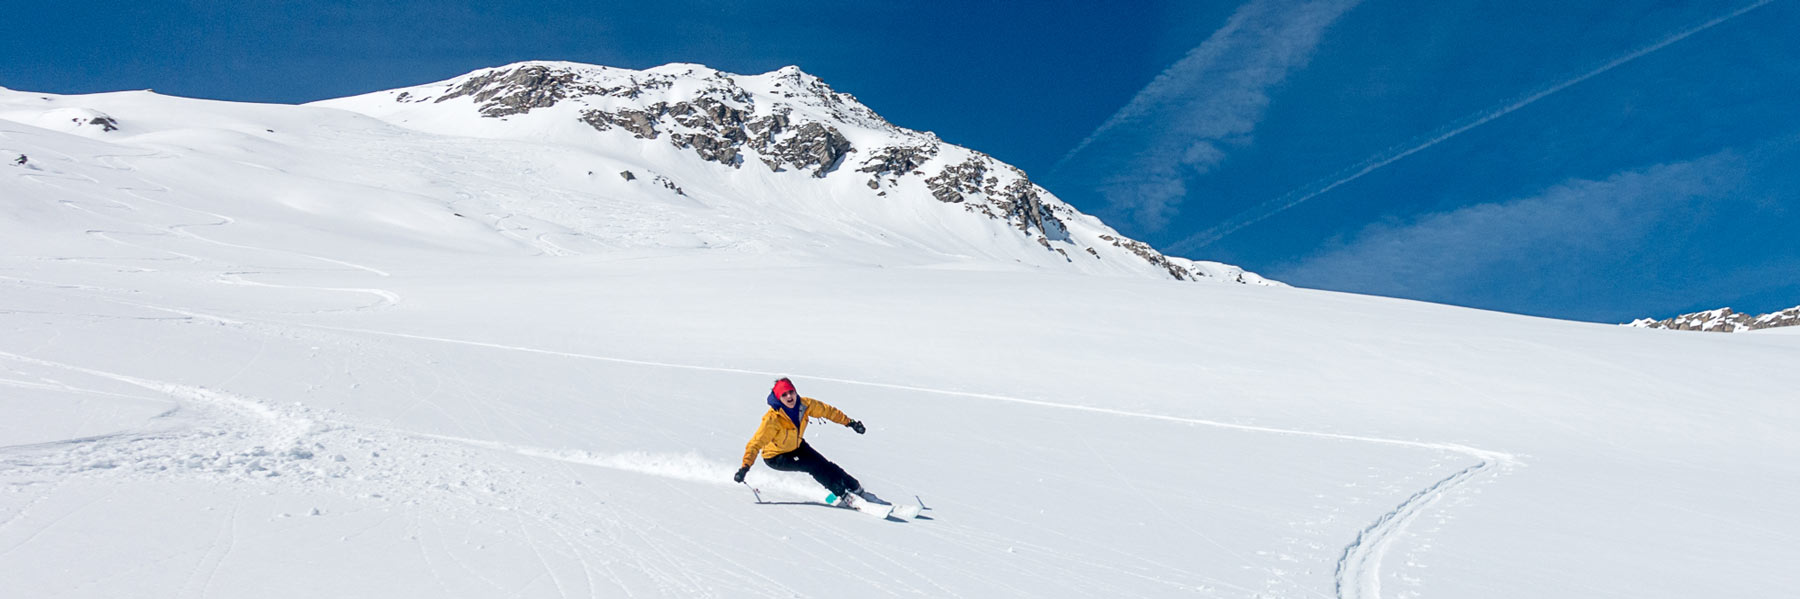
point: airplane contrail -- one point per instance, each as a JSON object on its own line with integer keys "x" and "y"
{"x": 1294, "y": 198}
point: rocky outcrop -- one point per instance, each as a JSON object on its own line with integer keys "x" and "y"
{"x": 503, "y": 93}
{"x": 105, "y": 123}
{"x": 957, "y": 182}
{"x": 896, "y": 161}
{"x": 722, "y": 123}
{"x": 1723, "y": 320}
{"x": 1143, "y": 250}
{"x": 640, "y": 123}
{"x": 813, "y": 145}
{"x": 1022, "y": 203}
{"x": 763, "y": 131}
{"x": 1019, "y": 201}
{"x": 83, "y": 120}
{"x": 710, "y": 114}
{"x": 720, "y": 133}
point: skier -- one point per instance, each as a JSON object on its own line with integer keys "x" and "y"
{"x": 20, "y": 161}
{"x": 779, "y": 439}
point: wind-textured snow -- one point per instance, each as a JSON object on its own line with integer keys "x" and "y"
{"x": 281, "y": 351}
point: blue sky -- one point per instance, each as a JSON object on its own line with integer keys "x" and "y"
{"x": 1593, "y": 161}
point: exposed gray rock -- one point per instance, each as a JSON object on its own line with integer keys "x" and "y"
{"x": 1143, "y": 250}
{"x": 709, "y": 114}
{"x": 503, "y": 93}
{"x": 668, "y": 184}
{"x": 640, "y": 123}
{"x": 813, "y": 145}
{"x": 718, "y": 125}
{"x": 958, "y": 181}
{"x": 895, "y": 160}
{"x": 1022, "y": 203}
{"x": 627, "y": 175}
{"x": 709, "y": 147}
{"x": 719, "y": 132}
{"x": 106, "y": 123}
{"x": 1724, "y": 320}
{"x": 764, "y": 130}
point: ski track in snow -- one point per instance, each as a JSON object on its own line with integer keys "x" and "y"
{"x": 222, "y": 433}
{"x": 1359, "y": 570}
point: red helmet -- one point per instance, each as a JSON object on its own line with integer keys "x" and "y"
{"x": 782, "y": 386}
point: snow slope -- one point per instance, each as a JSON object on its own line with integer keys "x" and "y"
{"x": 255, "y": 351}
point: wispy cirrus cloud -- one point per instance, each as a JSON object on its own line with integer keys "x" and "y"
{"x": 1186, "y": 121}
{"x": 1552, "y": 248}
{"x": 1258, "y": 213}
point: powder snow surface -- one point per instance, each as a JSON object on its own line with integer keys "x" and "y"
{"x": 250, "y": 351}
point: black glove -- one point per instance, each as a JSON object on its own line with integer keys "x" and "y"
{"x": 739, "y": 477}
{"x": 857, "y": 425}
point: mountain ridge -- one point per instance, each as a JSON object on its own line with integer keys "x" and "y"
{"x": 1723, "y": 320}
{"x": 783, "y": 121}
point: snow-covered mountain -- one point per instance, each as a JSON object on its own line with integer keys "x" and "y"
{"x": 783, "y": 140}
{"x": 565, "y": 158}
{"x": 302, "y": 351}
{"x": 1723, "y": 320}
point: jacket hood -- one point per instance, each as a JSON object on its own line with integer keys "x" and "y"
{"x": 792, "y": 413}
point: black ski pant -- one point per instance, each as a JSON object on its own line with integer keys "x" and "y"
{"x": 805, "y": 459}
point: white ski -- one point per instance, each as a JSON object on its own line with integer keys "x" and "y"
{"x": 878, "y": 510}
{"x": 870, "y": 504}
{"x": 906, "y": 512}
{"x": 875, "y": 507}
{"x": 859, "y": 504}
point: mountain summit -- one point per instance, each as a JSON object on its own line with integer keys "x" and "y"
{"x": 782, "y": 139}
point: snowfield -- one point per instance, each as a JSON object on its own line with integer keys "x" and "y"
{"x": 297, "y": 351}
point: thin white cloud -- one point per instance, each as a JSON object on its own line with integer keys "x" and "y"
{"x": 1299, "y": 196}
{"x": 1554, "y": 245}
{"x": 1185, "y": 121}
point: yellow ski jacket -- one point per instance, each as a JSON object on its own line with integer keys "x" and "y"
{"x": 778, "y": 435}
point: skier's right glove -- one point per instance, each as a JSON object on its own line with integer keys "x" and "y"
{"x": 739, "y": 477}
{"x": 857, "y": 425}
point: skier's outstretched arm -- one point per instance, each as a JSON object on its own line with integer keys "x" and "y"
{"x": 819, "y": 409}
